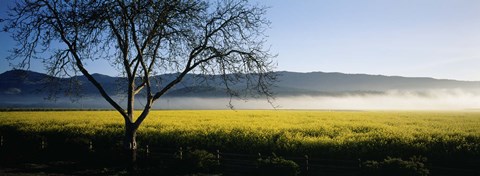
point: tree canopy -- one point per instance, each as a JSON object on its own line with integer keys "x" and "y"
{"x": 143, "y": 38}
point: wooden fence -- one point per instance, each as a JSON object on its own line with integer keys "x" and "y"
{"x": 243, "y": 164}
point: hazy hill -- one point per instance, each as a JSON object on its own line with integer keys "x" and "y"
{"x": 26, "y": 83}
{"x": 340, "y": 82}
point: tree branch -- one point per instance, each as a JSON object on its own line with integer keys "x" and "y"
{"x": 80, "y": 64}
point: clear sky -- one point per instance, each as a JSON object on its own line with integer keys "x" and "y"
{"x": 416, "y": 38}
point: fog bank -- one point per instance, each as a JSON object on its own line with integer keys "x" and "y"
{"x": 390, "y": 100}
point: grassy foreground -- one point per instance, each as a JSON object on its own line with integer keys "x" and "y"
{"x": 337, "y": 134}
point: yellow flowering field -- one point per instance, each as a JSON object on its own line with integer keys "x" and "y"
{"x": 343, "y": 134}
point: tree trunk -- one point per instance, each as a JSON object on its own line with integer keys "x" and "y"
{"x": 130, "y": 145}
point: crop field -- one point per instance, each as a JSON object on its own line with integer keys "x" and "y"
{"x": 330, "y": 134}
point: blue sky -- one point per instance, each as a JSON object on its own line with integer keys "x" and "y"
{"x": 416, "y": 38}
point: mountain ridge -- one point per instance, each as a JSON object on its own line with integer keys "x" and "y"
{"x": 22, "y": 82}
{"x": 380, "y": 75}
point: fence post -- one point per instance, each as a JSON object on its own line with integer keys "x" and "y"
{"x": 43, "y": 144}
{"x": 181, "y": 153}
{"x": 90, "y": 146}
{"x": 218, "y": 157}
{"x": 1, "y": 141}
{"x": 148, "y": 151}
{"x": 306, "y": 163}
{"x": 360, "y": 163}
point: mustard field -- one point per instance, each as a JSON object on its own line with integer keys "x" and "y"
{"x": 332, "y": 134}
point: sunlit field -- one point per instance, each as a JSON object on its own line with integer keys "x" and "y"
{"x": 332, "y": 134}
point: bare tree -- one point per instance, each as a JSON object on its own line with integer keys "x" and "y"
{"x": 143, "y": 38}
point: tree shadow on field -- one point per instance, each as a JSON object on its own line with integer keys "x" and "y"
{"x": 57, "y": 168}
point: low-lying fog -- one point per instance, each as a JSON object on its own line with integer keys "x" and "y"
{"x": 391, "y": 100}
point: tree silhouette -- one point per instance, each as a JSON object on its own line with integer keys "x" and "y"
{"x": 143, "y": 38}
